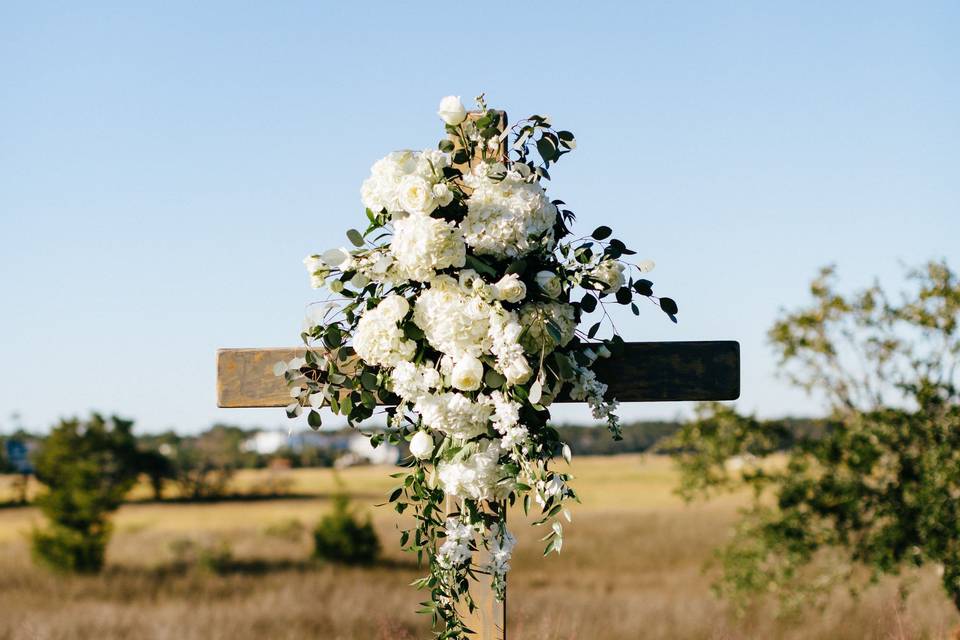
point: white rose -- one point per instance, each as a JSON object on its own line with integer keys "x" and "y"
{"x": 452, "y": 110}
{"x": 442, "y": 194}
{"x": 467, "y": 374}
{"x": 610, "y": 274}
{"x": 517, "y": 370}
{"x": 510, "y": 288}
{"x": 421, "y": 445}
{"x": 416, "y": 195}
{"x": 549, "y": 283}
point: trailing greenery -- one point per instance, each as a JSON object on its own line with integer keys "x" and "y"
{"x": 878, "y": 491}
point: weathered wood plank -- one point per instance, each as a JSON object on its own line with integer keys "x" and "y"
{"x": 646, "y": 372}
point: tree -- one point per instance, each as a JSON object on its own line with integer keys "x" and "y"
{"x": 88, "y": 468}
{"x": 204, "y": 465}
{"x": 878, "y": 489}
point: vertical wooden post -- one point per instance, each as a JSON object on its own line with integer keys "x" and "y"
{"x": 489, "y": 619}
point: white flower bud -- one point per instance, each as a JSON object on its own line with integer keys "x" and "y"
{"x": 421, "y": 445}
{"x": 452, "y": 110}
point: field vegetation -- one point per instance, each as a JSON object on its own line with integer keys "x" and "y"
{"x": 632, "y": 567}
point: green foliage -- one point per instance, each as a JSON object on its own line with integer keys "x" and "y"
{"x": 878, "y": 490}
{"x": 203, "y": 466}
{"x": 342, "y": 537}
{"x": 88, "y": 468}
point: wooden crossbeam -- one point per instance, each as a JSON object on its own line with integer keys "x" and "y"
{"x": 645, "y": 372}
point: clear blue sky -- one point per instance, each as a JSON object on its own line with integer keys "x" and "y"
{"x": 164, "y": 167}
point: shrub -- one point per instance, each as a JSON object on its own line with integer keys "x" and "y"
{"x": 88, "y": 468}
{"x": 341, "y": 537}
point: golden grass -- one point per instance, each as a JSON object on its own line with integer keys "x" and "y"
{"x": 631, "y": 568}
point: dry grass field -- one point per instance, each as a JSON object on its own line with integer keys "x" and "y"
{"x": 631, "y": 568}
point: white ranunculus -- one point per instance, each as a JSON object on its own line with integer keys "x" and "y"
{"x": 442, "y": 194}
{"x": 510, "y": 288}
{"x": 421, "y": 445}
{"x": 467, "y": 374}
{"x": 416, "y": 195}
{"x": 452, "y": 110}
{"x": 549, "y": 283}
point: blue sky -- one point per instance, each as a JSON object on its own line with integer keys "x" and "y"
{"x": 164, "y": 167}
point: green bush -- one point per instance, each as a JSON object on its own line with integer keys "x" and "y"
{"x": 88, "y": 467}
{"x": 70, "y": 550}
{"x": 341, "y": 537}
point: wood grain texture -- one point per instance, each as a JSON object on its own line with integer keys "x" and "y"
{"x": 646, "y": 372}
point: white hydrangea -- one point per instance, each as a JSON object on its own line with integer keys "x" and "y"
{"x": 384, "y": 188}
{"x": 478, "y": 476}
{"x": 422, "y": 245}
{"x": 454, "y": 414}
{"x": 505, "y": 330}
{"x": 610, "y": 276}
{"x": 455, "y": 549}
{"x": 534, "y": 318}
{"x": 411, "y": 381}
{"x": 378, "y": 340}
{"x": 506, "y": 218}
{"x": 453, "y": 323}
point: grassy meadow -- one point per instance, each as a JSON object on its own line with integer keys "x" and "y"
{"x": 632, "y": 567}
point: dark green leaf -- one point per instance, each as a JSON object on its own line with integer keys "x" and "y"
{"x": 669, "y": 306}
{"x": 601, "y": 233}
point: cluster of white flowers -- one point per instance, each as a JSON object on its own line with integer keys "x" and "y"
{"x": 422, "y": 245}
{"x": 452, "y": 298}
{"x": 587, "y": 387}
{"x": 378, "y": 338}
{"x": 407, "y": 181}
{"x": 454, "y": 414}
{"x": 478, "y": 476}
{"x": 506, "y": 419}
{"x": 506, "y": 217}
{"x": 500, "y": 544}
{"x": 535, "y": 318}
{"x": 455, "y": 549}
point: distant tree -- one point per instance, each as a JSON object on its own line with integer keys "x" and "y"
{"x": 158, "y": 468}
{"x": 879, "y": 487}
{"x": 88, "y": 466}
{"x": 204, "y": 465}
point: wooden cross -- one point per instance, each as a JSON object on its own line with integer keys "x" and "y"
{"x": 644, "y": 372}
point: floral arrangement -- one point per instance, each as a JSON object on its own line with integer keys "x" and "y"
{"x": 459, "y": 309}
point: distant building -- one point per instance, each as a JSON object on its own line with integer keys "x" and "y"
{"x": 354, "y": 448}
